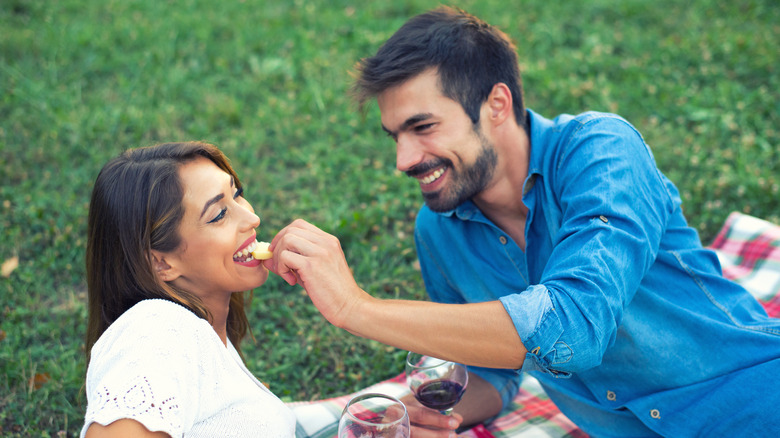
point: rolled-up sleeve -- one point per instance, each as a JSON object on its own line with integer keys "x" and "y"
{"x": 613, "y": 207}
{"x": 540, "y": 329}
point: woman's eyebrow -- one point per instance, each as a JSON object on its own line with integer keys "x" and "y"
{"x": 217, "y": 198}
{"x": 211, "y": 202}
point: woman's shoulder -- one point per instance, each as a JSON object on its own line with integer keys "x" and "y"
{"x": 158, "y": 314}
{"x": 152, "y": 325}
{"x": 155, "y": 354}
{"x": 159, "y": 306}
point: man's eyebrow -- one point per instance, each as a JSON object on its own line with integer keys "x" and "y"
{"x": 413, "y": 120}
{"x": 211, "y": 202}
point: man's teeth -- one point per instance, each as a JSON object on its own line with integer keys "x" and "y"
{"x": 245, "y": 255}
{"x": 432, "y": 177}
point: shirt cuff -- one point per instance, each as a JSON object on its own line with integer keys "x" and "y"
{"x": 539, "y": 328}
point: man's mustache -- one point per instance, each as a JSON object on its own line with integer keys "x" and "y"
{"x": 423, "y": 168}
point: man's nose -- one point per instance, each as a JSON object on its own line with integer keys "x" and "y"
{"x": 407, "y": 154}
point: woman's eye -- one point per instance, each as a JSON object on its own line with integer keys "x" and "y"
{"x": 219, "y": 217}
{"x": 223, "y": 212}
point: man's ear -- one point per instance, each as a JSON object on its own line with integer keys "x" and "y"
{"x": 162, "y": 268}
{"x": 499, "y": 103}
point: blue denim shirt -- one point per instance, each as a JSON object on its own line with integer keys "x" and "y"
{"x": 627, "y": 320}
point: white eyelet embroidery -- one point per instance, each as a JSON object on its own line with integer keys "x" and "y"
{"x": 137, "y": 401}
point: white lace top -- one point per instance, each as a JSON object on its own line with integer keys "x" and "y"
{"x": 163, "y": 366}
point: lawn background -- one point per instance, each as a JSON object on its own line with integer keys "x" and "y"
{"x": 267, "y": 81}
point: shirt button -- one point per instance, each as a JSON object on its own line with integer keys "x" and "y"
{"x": 502, "y": 239}
{"x": 611, "y": 396}
{"x": 604, "y": 219}
{"x": 655, "y": 414}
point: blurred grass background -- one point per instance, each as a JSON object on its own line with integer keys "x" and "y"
{"x": 266, "y": 81}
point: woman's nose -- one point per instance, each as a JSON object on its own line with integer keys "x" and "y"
{"x": 250, "y": 218}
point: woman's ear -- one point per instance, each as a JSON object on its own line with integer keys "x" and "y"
{"x": 164, "y": 271}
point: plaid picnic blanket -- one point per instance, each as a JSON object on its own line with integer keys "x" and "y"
{"x": 749, "y": 251}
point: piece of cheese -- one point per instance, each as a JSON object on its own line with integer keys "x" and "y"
{"x": 261, "y": 251}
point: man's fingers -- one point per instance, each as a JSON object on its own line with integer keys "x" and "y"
{"x": 309, "y": 241}
{"x": 305, "y": 255}
{"x": 285, "y": 265}
{"x": 298, "y": 226}
{"x": 429, "y": 418}
{"x": 422, "y": 432}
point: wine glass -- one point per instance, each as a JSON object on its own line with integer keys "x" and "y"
{"x": 373, "y": 415}
{"x": 436, "y": 383}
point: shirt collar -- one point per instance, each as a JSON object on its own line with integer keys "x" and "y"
{"x": 465, "y": 211}
{"x": 538, "y": 128}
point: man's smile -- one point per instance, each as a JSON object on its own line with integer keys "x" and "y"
{"x": 429, "y": 172}
{"x": 433, "y": 176}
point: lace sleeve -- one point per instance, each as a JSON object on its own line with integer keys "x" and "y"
{"x": 145, "y": 366}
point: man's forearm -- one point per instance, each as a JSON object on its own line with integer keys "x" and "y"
{"x": 480, "y": 334}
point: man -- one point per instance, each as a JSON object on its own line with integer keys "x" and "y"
{"x": 554, "y": 247}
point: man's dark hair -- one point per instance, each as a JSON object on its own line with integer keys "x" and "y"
{"x": 471, "y": 56}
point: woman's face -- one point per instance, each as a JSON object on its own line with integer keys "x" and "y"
{"x": 218, "y": 225}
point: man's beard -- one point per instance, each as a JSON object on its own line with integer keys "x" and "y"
{"x": 466, "y": 183}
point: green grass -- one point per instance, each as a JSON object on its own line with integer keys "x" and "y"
{"x": 266, "y": 81}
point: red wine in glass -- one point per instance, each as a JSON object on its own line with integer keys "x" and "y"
{"x": 439, "y": 394}
{"x": 436, "y": 383}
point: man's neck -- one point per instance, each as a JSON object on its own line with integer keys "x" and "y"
{"x": 502, "y": 201}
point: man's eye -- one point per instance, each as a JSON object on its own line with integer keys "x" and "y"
{"x": 219, "y": 217}
{"x": 423, "y": 127}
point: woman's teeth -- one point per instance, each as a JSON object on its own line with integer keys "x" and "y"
{"x": 432, "y": 177}
{"x": 245, "y": 255}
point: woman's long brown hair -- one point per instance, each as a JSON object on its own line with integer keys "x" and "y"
{"x": 136, "y": 207}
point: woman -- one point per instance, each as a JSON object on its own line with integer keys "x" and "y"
{"x": 168, "y": 259}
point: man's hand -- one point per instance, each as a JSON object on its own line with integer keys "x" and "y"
{"x": 428, "y": 423}
{"x": 303, "y": 254}
{"x": 480, "y": 402}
